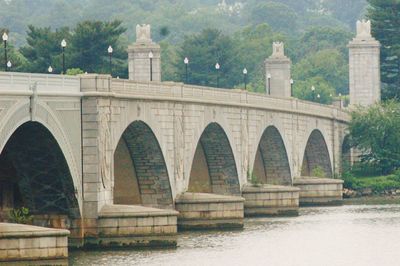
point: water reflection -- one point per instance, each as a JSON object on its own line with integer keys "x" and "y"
{"x": 347, "y": 235}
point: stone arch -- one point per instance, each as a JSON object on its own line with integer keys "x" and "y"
{"x": 271, "y": 164}
{"x": 140, "y": 172}
{"x": 214, "y": 168}
{"x": 19, "y": 114}
{"x": 316, "y": 155}
{"x": 33, "y": 165}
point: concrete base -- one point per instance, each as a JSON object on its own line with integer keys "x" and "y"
{"x": 319, "y": 191}
{"x": 122, "y": 226}
{"x": 271, "y": 200}
{"x": 203, "y": 211}
{"x": 26, "y": 242}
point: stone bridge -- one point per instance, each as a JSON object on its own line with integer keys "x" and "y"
{"x": 112, "y": 159}
{"x": 72, "y": 145}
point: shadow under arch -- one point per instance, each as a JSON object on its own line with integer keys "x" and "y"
{"x": 213, "y": 167}
{"x": 346, "y": 159}
{"x": 271, "y": 164}
{"x": 34, "y": 173}
{"x": 140, "y": 173}
{"x": 316, "y": 156}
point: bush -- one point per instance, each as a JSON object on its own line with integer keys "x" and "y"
{"x": 375, "y": 131}
{"x": 318, "y": 172}
{"x": 20, "y": 216}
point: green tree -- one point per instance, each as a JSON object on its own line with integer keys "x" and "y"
{"x": 321, "y": 38}
{"x": 204, "y": 50}
{"x": 254, "y": 44}
{"x": 43, "y": 49}
{"x": 89, "y": 43}
{"x": 384, "y": 15}
{"x": 304, "y": 90}
{"x": 279, "y": 16}
{"x": 328, "y": 64}
{"x": 375, "y": 131}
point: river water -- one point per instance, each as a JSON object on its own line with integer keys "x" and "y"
{"x": 345, "y": 235}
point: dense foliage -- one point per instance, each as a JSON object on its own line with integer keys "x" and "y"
{"x": 384, "y": 15}
{"x": 375, "y": 132}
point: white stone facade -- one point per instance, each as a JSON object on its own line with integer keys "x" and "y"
{"x": 277, "y": 72}
{"x": 364, "y": 67}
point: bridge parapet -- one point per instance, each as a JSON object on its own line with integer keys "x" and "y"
{"x": 12, "y": 83}
{"x": 179, "y": 92}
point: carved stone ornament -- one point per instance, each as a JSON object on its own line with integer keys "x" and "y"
{"x": 278, "y": 49}
{"x": 364, "y": 29}
{"x": 143, "y": 33}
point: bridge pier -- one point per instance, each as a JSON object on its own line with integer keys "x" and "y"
{"x": 25, "y": 242}
{"x": 319, "y": 191}
{"x": 203, "y": 211}
{"x": 271, "y": 200}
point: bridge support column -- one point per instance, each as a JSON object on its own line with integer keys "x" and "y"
{"x": 364, "y": 67}
{"x": 203, "y": 211}
{"x": 277, "y": 68}
{"x": 319, "y": 191}
{"x": 271, "y": 200}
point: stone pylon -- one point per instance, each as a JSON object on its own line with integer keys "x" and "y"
{"x": 364, "y": 67}
{"x": 277, "y": 72}
{"x": 144, "y": 56}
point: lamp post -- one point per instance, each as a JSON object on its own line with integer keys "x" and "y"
{"x": 313, "y": 93}
{"x": 319, "y": 98}
{"x": 5, "y": 39}
{"x": 217, "y": 67}
{"x": 245, "y": 78}
{"x": 50, "y": 69}
{"x": 291, "y": 87}
{"x": 63, "y": 45}
{"x": 151, "y": 65}
{"x": 269, "y": 83}
{"x": 110, "y": 52}
{"x": 186, "y": 61}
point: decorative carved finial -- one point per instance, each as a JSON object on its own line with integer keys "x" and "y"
{"x": 143, "y": 33}
{"x": 364, "y": 29}
{"x": 278, "y": 49}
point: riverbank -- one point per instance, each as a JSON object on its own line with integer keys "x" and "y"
{"x": 372, "y": 200}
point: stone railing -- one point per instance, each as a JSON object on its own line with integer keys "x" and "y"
{"x": 234, "y": 97}
{"x": 20, "y": 83}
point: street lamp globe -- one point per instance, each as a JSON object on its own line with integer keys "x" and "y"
{"x": 110, "y": 49}
{"x": 318, "y": 96}
{"x": 186, "y": 60}
{"x": 9, "y": 65}
{"x": 63, "y": 43}
{"x": 5, "y": 36}
{"x": 151, "y": 55}
{"x": 268, "y": 76}
{"x": 291, "y": 81}
{"x": 245, "y": 71}
{"x": 50, "y": 69}
{"x": 217, "y": 66}
{"x": 312, "y": 88}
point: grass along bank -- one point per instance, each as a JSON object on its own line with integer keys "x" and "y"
{"x": 358, "y": 186}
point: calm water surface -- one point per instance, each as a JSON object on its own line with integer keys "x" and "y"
{"x": 347, "y": 235}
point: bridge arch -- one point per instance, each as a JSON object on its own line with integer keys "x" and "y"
{"x": 140, "y": 172}
{"x": 271, "y": 163}
{"x": 35, "y": 171}
{"x": 213, "y": 167}
{"x": 19, "y": 114}
{"x": 316, "y": 156}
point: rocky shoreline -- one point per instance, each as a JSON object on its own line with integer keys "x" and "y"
{"x": 368, "y": 192}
